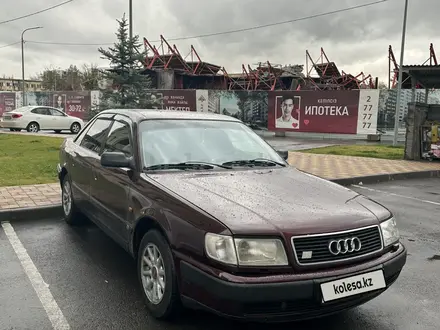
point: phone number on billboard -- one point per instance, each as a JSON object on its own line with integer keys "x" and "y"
{"x": 75, "y": 108}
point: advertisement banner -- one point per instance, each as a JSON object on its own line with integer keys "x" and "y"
{"x": 75, "y": 104}
{"x": 368, "y": 112}
{"x": 337, "y": 112}
{"x": 202, "y": 97}
{"x": 248, "y": 106}
{"x": 7, "y": 102}
{"x": 172, "y": 99}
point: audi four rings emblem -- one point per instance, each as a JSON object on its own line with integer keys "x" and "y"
{"x": 343, "y": 246}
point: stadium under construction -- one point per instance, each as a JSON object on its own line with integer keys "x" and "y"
{"x": 170, "y": 70}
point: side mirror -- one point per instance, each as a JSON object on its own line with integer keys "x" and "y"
{"x": 115, "y": 159}
{"x": 284, "y": 154}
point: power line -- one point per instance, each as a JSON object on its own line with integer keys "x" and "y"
{"x": 8, "y": 45}
{"x": 68, "y": 43}
{"x": 226, "y": 32}
{"x": 36, "y": 12}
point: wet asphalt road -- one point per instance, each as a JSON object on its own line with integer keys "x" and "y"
{"x": 94, "y": 282}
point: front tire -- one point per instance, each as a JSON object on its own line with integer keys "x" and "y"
{"x": 72, "y": 215}
{"x": 157, "y": 276}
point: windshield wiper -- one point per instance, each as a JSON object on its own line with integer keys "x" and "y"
{"x": 190, "y": 165}
{"x": 254, "y": 162}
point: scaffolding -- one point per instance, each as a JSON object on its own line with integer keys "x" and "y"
{"x": 330, "y": 78}
{"x": 393, "y": 67}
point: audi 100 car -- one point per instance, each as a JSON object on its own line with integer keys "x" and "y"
{"x": 217, "y": 219}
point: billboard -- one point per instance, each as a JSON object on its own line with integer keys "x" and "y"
{"x": 73, "y": 103}
{"x": 172, "y": 99}
{"x": 337, "y": 112}
{"x": 7, "y": 102}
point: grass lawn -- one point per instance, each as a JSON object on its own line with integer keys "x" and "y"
{"x": 28, "y": 159}
{"x": 373, "y": 151}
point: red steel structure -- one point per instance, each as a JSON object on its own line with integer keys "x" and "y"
{"x": 329, "y": 76}
{"x": 393, "y": 66}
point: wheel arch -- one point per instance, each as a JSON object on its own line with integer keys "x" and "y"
{"x": 143, "y": 225}
{"x": 33, "y": 121}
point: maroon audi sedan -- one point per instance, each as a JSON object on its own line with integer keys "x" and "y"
{"x": 219, "y": 221}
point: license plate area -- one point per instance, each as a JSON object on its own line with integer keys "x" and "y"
{"x": 352, "y": 285}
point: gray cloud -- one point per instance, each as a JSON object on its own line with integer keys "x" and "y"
{"x": 357, "y": 40}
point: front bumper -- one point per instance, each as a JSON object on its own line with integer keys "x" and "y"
{"x": 281, "y": 301}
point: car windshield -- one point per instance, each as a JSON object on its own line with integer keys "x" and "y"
{"x": 202, "y": 141}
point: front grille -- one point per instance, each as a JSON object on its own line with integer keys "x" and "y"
{"x": 314, "y": 249}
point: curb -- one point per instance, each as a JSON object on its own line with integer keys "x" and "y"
{"x": 27, "y": 213}
{"x": 387, "y": 177}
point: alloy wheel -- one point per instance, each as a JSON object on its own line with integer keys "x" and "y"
{"x": 153, "y": 274}
{"x": 75, "y": 128}
{"x": 33, "y": 128}
{"x": 67, "y": 198}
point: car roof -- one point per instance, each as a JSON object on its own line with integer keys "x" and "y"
{"x": 31, "y": 107}
{"x": 143, "y": 114}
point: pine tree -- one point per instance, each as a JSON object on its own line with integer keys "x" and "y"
{"x": 128, "y": 85}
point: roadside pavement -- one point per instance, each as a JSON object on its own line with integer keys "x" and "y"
{"x": 333, "y": 167}
{"x": 330, "y": 167}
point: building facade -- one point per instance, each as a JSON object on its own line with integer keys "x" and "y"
{"x": 15, "y": 85}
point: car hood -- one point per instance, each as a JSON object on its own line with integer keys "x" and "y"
{"x": 273, "y": 200}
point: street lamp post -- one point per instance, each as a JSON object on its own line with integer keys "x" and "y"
{"x": 22, "y": 61}
{"x": 130, "y": 12}
{"x": 399, "y": 82}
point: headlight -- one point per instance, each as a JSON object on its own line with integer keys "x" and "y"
{"x": 390, "y": 232}
{"x": 260, "y": 252}
{"x": 221, "y": 248}
{"x": 246, "y": 252}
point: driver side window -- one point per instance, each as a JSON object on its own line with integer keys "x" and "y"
{"x": 119, "y": 139}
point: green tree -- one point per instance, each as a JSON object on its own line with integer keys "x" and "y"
{"x": 129, "y": 85}
{"x": 90, "y": 77}
{"x": 69, "y": 79}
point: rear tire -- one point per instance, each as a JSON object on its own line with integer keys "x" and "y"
{"x": 75, "y": 128}
{"x": 33, "y": 127}
{"x": 72, "y": 215}
{"x": 169, "y": 304}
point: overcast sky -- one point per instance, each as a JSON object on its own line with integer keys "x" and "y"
{"x": 357, "y": 40}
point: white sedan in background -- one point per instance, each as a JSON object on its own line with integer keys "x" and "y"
{"x": 36, "y": 118}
